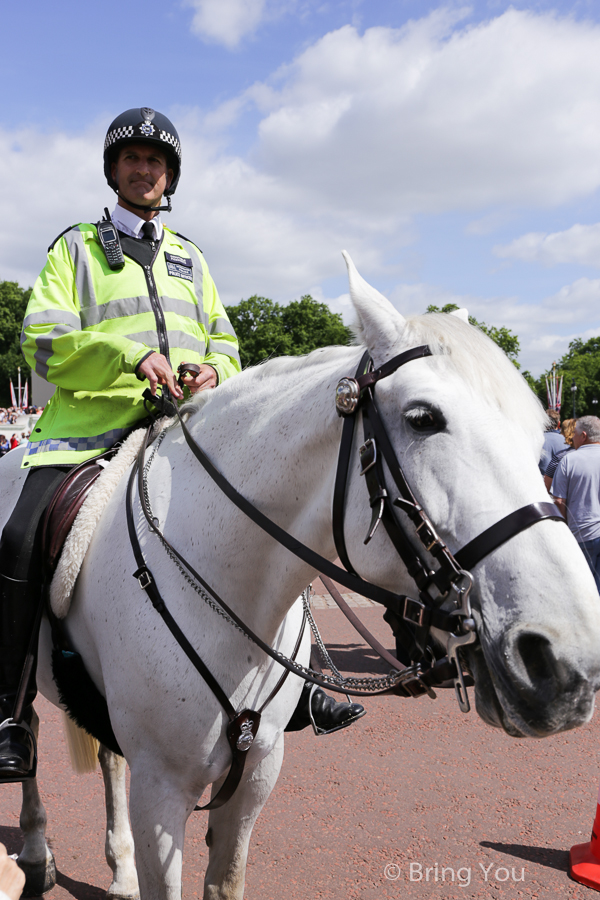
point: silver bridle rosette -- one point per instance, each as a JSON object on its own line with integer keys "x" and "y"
{"x": 347, "y": 395}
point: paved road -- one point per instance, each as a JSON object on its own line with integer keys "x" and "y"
{"x": 414, "y": 782}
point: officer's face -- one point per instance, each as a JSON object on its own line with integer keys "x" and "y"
{"x": 142, "y": 174}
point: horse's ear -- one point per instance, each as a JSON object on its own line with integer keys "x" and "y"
{"x": 461, "y": 314}
{"x": 380, "y": 325}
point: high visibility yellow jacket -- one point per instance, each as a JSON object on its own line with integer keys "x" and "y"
{"x": 87, "y": 327}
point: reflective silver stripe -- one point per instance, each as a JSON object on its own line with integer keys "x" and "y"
{"x": 44, "y": 344}
{"x": 178, "y": 340}
{"x": 76, "y": 444}
{"x": 221, "y": 326}
{"x": 83, "y": 275}
{"x": 41, "y": 359}
{"x": 198, "y": 281}
{"x": 134, "y": 306}
{"x": 51, "y": 317}
{"x": 224, "y": 348}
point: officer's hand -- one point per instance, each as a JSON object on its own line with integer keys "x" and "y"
{"x": 12, "y": 878}
{"x": 158, "y": 371}
{"x": 205, "y": 379}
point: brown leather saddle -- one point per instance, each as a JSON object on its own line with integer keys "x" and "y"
{"x": 63, "y": 508}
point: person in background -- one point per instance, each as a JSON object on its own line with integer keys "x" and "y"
{"x": 567, "y": 430}
{"x": 553, "y": 439}
{"x": 4, "y": 445}
{"x": 576, "y": 490}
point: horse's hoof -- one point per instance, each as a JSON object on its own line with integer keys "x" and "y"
{"x": 39, "y": 877}
{"x": 111, "y": 896}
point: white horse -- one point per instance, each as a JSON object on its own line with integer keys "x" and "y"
{"x": 274, "y": 432}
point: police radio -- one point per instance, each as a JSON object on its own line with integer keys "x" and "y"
{"x": 109, "y": 238}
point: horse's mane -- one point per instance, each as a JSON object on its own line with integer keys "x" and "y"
{"x": 470, "y": 352}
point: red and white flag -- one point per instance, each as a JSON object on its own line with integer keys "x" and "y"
{"x": 13, "y": 399}
{"x": 25, "y": 404}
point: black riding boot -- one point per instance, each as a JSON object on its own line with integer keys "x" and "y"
{"x": 325, "y": 714}
{"x": 20, "y": 608}
{"x": 20, "y": 615}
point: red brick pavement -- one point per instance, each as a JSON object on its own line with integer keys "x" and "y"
{"x": 415, "y": 781}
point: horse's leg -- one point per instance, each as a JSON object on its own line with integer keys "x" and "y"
{"x": 119, "y": 840}
{"x": 230, "y": 828}
{"x": 36, "y": 858}
{"x": 159, "y": 807}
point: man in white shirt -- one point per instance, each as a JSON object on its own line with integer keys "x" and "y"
{"x": 576, "y": 490}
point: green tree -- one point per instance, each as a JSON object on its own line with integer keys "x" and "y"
{"x": 13, "y": 303}
{"x": 506, "y": 339}
{"x": 580, "y": 364}
{"x": 266, "y": 329}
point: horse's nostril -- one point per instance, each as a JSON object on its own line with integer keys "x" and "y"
{"x": 535, "y": 654}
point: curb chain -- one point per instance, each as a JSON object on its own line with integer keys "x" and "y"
{"x": 337, "y": 679}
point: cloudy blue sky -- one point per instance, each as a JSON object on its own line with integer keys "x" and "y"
{"x": 453, "y": 149}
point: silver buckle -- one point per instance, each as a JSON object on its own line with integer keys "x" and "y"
{"x": 425, "y": 523}
{"x": 415, "y": 617}
{"x": 144, "y": 579}
{"x": 368, "y": 455}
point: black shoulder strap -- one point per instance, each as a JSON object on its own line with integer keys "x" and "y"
{"x": 56, "y": 239}
{"x": 189, "y": 240}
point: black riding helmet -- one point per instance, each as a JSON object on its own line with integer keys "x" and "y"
{"x": 141, "y": 126}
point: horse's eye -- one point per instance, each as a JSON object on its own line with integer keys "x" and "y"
{"x": 424, "y": 419}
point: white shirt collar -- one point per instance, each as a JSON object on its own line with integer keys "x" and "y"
{"x": 131, "y": 224}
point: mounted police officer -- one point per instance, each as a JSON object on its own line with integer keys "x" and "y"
{"x": 118, "y": 302}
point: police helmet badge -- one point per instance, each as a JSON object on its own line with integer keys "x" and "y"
{"x": 147, "y": 128}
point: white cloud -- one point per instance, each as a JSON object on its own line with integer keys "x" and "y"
{"x": 544, "y": 329}
{"x": 433, "y": 117}
{"x": 226, "y": 21}
{"x": 579, "y": 244}
{"x": 357, "y": 136}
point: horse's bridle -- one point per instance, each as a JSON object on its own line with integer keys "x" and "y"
{"x": 449, "y": 611}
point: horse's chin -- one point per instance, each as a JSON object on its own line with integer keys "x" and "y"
{"x": 487, "y": 704}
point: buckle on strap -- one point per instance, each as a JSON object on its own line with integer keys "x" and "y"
{"x": 414, "y": 611}
{"x": 368, "y": 455}
{"x": 144, "y": 577}
{"x": 427, "y": 533}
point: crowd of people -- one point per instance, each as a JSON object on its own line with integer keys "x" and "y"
{"x": 9, "y": 416}
{"x": 570, "y": 464}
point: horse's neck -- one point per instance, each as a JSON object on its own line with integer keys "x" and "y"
{"x": 276, "y": 438}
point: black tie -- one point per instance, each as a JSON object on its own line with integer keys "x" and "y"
{"x": 148, "y": 231}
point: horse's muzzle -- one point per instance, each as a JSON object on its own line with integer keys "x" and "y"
{"x": 525, "y": 687}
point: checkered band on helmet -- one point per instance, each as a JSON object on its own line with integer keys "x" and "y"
{"x": 117, "y": 135}
{"x": 141, "y": 126}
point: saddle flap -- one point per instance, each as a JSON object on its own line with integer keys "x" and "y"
{"x": 62, "y": 510}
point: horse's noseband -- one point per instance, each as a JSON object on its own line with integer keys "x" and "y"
{"x": 448, "y": 608}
